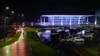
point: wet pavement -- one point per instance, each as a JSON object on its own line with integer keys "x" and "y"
{"x": 18, "y": 48}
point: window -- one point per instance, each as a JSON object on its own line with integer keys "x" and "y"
{"x": 74, "y": 20}
{"x": 66, "y": 20}
{"x": 46, "y": 19}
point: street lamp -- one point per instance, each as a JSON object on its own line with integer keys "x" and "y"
{"x": 22, "y": 15}
{"x": 12, "y": 12}
{"x": 5, "y": 21}
{"x": 13, "y": 16}
{"x": 7, "y": 8}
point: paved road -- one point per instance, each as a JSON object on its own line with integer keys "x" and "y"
{"x": 18, "y": 48}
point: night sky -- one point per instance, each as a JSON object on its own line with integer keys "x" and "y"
{"x": 34, "y": 8}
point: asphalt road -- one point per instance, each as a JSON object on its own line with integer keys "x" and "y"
{"x": 18, "y": 48}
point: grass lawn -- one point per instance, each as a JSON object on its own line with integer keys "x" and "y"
{"x": 38, "y": 48}
{"x": 93, "y": 51}
{"x": 15, "y": 38}
{"x": 33, "y": 29}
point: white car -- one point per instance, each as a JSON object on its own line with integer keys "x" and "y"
{"x": 62, "y": 40}
{"x": 69, "y": 39}
{"x": 78, "y": 39}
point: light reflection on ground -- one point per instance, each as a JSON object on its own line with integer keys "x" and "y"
{"x": 18, "y": 48}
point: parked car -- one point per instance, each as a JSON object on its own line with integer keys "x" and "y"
{"x": 78, "y": 39}
{"x": 69, "y": 39}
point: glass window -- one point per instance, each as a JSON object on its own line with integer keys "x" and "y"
{"x": 74, "y": 20}
{"x": 46, "y": 19}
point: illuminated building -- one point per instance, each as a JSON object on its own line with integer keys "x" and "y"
{"x": 64, "y": 20}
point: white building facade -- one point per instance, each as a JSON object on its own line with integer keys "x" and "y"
{"x": 64, "y": 20}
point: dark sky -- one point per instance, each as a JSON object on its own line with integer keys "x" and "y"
{"x": 34, "y": 8}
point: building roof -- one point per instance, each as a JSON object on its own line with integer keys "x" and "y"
{"x": 66, "y": 15}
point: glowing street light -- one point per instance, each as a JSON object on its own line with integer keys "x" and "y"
{"x": 12, "y": 12}
{"x": 6, "y": 17}
{"x": 22, "y": 15}
{"x": 7, "y": 8}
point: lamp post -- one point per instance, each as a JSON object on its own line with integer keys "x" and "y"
{"x": 22, "y": 17}
{"x": 98, "y": 49}
{"x": 5, "y": 22}
{"x": 13, "y": 16}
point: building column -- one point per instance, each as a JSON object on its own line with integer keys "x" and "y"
{"x": 87, "y": 21}
{"x": 61, "y": 20}
{"x": 53, "y": 20}
{"x": 70, "y": 21}
{"x": 79, "y": 20}
{"x": 95, "y": 20}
